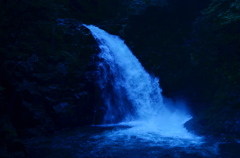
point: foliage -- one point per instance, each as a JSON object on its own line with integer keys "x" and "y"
{"x": 225, "y": 12}
{"x": 215, "y": 47}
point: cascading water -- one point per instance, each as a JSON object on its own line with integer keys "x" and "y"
{"x": 132, "y": 96}
{"x": 129, "y": 92}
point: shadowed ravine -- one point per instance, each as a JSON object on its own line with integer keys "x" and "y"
{"x": 120, "y": 78}
{"x": 137, "y": 122}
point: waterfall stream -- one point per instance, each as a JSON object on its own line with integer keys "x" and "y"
{"x": 135, "y": 107}
{"x": 129, "y": 92}
{"x": 131, "y": 95}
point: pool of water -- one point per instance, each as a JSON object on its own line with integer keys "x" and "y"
{"x": 122, "y": 141}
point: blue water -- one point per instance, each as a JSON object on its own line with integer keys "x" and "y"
{"x": 118, "y": 142}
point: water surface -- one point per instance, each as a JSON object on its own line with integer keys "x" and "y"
{"x": 118, "y": 141}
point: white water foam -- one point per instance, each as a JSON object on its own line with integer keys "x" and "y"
{"x": 133, "y": 97}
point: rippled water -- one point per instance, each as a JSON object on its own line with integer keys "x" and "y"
{"x": 119, "y": 141}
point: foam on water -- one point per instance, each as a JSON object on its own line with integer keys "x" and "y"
{"x": 133, "y": 97}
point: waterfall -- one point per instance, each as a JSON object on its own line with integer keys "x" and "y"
{"x": 130, "y": 93}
